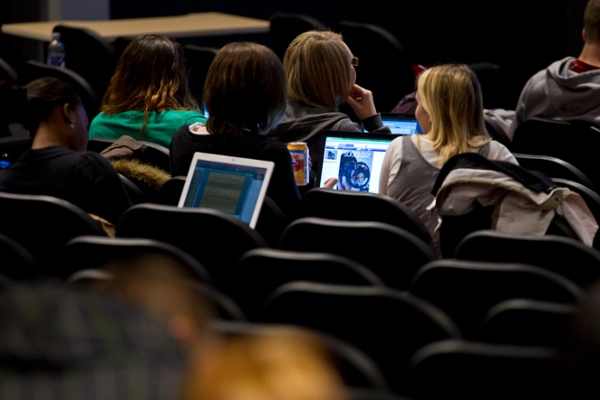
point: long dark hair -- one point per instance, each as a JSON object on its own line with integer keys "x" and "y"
{"x": 150, "y": 76}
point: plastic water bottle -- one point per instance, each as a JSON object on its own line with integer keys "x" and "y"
{"x": 56, "y": 51}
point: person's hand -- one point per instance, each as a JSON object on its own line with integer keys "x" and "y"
{"x": 330, "y": 183}
{"x": 361, "y": 101}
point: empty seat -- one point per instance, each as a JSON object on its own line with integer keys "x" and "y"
{"x": 16, "y": 262}
{"x": 389, "y": 325}
{"x": 393, "y": 254}
{"x": 260, "y": 271}
{"x": 44, "y": 224}
{"x": 554, "y": 168}
{"x": 565, "y": 256}
{"x": 467, "y": 290}
{"x": 361, "y": 206}
{"x": 547, "y": 137}
{"x": 466, "y": 370}
{"x": 92, "y": 252}
{"x": 526, "y": 322}
{"x": 214, "y": 238}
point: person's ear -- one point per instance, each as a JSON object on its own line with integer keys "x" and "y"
{"x": 68, "y": 114}
{"x": 583, "y": 34}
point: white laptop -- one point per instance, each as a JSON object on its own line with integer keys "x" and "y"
{"x": 234, "y": 185}
{"x": 353, "y": 158}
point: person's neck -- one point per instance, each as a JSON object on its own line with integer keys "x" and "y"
{"x": 590, "y": 54}
{"x": 46, "y": 136}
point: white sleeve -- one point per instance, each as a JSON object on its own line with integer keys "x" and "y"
{"x": 499, "y": 152}
{"x": 390, "y": 165}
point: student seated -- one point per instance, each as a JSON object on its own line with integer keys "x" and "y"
{"x": 57, "y": 164}
{"x": 450, "y": 112}
{"x": 320, "y": 74}
{"x": 148, "y": 97}
{"x": 245, "y": 97}
{"x": 568, "y": 89}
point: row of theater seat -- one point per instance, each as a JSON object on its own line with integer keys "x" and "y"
{"x": 455, "y": 310}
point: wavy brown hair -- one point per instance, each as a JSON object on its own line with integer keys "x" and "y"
{"x": 150, "y": 76}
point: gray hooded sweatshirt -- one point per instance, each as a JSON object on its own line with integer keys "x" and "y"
{"x": 559, "y": 93}
{"x": 303, "y": 122}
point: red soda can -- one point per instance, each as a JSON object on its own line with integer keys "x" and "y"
{"x": 299, "y": 153}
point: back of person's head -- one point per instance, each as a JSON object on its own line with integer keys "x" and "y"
{"x": 284, "y": 365}
{"x": 591, "y": 22}
{"x": 150, "y": 76}
{"x": 317, "y": 69}
{"x": 244, "y": 90}
{"x": 35, "y": 102}
{"x": 452, "y": 97}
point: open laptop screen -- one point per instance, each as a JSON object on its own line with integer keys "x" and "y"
{"x": 234, "y": 185}
{"x": 401, "y": 124}
{"x": 355, "y": 159}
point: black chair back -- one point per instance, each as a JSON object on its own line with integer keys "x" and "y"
{"x": 215, "y": 239}
{"x": 390, "y": 77}
{"x": 92, "y": 252}
{"x": 259, "y": 272}
{"x": 89, "y": 55}
{"x": 7, "y": 72}
{"x": 526, "y": 322}
{"x": 33, "y": 70}
{"x": 285, "y": 27}
{"x": 198, "y": 61}
{"x": 361, "y": 206}
{"x": 554, "y": 168}
{"x": 17, "y": 263}
{"x": 467, "y": 290}
{"x": 392, "y": 253}
{"x": 565, "y": 256}
{"x": 170, "y": 191}
{"x": 470, "y": 370}
{"x": 552, "y": 138}
{"x": 387, "y": 324}
{"x": 43, "y": 225}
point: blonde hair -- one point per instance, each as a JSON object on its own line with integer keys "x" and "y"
{"x": 452, "y": 97}
{"x": 281, "y": 365}
{"x": 318, "y": 72}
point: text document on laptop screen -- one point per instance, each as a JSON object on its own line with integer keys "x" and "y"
{"x": 233, "y": 189}
{"x": 355, "y": 162}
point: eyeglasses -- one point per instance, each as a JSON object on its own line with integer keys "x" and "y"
{"x": 354, "y": 62}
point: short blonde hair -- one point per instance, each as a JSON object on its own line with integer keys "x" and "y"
{"x": 591, "y": 21}
{"x": 281, "y": 364}
{"x": 452, "y": 97}
{"x": 317, "y": 69}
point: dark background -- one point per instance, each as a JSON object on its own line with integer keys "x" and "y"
{"x": 522, "y": 36}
